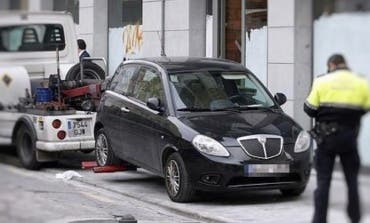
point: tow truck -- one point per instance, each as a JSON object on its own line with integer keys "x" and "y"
{"x": 44, "y": 108}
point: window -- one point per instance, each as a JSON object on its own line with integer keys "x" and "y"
{"x": 148, "y": 85}
{"x": 122, "y": 81}
{"x": 72, "y": 6}
{"x": 125, "y": 12}
{"x": 214, "y": 90}
{"x": 18, "y": 4}
{"x": 38, "y": 37}
{"x": 328, "y": 7}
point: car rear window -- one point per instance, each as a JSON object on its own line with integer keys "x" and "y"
{"x": 37, "y": 37}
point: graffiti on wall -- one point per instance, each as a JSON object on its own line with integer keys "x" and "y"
{"x": 132, "y": 38}
{"x": 124, "y": 43}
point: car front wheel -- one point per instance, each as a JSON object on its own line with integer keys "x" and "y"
{"x": 177, "y": 179}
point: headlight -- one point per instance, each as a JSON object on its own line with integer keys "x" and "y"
{"x": 209, "y": 146}
{"x": 303, "y": 142}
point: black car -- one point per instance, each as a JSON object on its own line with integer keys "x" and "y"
{"x": 202, "y": 124}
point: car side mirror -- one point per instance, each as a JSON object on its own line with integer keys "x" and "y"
{"x": 280, "y": 98}
{"x": 154, "y": 104}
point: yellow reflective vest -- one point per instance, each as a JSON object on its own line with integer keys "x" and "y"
{"x": 338, "y": 93}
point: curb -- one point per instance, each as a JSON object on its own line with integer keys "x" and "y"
{"x": 185, "y": 213}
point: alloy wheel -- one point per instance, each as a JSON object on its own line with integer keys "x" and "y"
{"x": 173, "y": 177}
{"x": 102, "y": 149}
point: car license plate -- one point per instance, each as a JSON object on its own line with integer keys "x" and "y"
{"x": 78, "y": 127}
{"x": 266, "y": 168}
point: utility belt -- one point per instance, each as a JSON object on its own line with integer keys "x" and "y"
{"x": 321, "y": 130}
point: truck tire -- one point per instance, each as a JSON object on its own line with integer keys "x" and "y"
{"x": 26, "y": 148}
{"x": 91, "y": 71}
{"x": 103, "y": 150}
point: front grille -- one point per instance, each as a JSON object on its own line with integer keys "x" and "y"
{"x": 262, "y": 146}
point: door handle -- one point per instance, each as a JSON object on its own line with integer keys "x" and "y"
{"x": 124, "y": 109}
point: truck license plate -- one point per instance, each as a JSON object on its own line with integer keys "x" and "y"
{"x": 78, "y": 128}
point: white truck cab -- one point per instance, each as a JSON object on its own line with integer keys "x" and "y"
{"x": 29, "y": 39}
{"x": 28, "y": 43}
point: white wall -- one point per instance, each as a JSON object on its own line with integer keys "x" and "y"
{"x": 85, "y": 29}
{"x": 289, "y": 53}
{"x": 349, "y": 34}
{"x": 185, "y": 28}
{"x": 256, "y": 53}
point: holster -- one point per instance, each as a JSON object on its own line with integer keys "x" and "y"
{"x": 321, "y": 130}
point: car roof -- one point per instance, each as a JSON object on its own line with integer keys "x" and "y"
{"x": 181, "y": 64}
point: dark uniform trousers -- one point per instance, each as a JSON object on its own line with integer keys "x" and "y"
{"x": 343, "y": 144}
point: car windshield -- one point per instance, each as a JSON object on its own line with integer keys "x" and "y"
{"x": 217, "y": 90}
{"x": 38, "y": 37}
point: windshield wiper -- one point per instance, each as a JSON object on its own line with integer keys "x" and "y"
{"x": 194, "y": 109}
{"x": 233, "y": 109}
{"x": 257, "y": 107}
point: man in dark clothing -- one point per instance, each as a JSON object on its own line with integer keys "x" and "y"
{"x": 82, "y": 53}
{"x": 337, "y": 101}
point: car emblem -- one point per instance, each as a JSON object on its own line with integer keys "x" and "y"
{"x": 262, "y": 140}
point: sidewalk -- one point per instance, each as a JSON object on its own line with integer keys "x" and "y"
{"x": 255, "y": 206}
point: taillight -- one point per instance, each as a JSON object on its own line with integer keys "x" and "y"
{"x": 56, "y": 124}
{"x": 61, "y": 135}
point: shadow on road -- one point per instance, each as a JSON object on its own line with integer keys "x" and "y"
{"x": 155, "y": 185}
{"x": 68, "y": 160}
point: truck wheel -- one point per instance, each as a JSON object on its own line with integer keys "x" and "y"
{"x": 26, "y": 148}
{"x": 178, "y": 184}
{"x": 293, "y": 192}
{"x": 103, "y": 150}
{"x": 91, "y": 71}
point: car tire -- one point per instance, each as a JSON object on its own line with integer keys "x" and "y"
{"x": 26, "y": 148}
{"x": 295, "y": 192}
{"x": 103, "y": 150}
{"x": 178, "y": 185}
{"x": 92, "y": 71}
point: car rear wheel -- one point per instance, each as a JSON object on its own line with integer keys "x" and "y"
{"x": 177, "y": 179}
{"x": 293, "y": 192}
{"x": 103, "y": 150}
{"x": 26, "y": 148}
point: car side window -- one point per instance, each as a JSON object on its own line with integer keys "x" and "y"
{"x": 148, "y": 84}
{"x": 123, "y": 79}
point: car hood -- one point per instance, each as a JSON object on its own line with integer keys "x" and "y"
{"x": 226, "y": 127}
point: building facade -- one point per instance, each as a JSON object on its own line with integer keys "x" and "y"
{"x": 285, "y": 43}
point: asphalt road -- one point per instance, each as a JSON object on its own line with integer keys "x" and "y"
{"x": 29, "y": 196}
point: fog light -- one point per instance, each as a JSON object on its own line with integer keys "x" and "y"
{"x": 61, "y": 135}
{"x": 211, "y": 179}
{"x": 56, "y": 124}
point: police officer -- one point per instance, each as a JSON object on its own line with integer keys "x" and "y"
{"x": 337, "y": 101}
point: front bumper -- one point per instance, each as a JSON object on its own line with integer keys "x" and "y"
{"x": 229, "y": 174}
{"x": 65, "y": 146}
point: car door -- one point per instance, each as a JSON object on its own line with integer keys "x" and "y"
{"x": 141, "y": 120}
{"x": 114, "y": 104}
